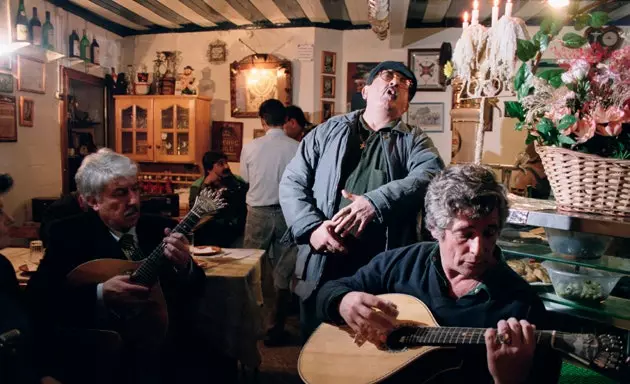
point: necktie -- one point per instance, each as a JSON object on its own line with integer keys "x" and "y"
{"x": 129, "y": 248}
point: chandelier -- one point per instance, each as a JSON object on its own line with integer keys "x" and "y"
{"x": 378, "y": 16}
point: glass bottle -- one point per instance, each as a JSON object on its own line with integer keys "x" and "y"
{"x": 95, "y": 51}
{"x": 21, "y": 24}
{"x": 35, "y": 29}
{"x": 48, "y": 33}
{"x": 85, "y": 43}
{"x": 74, "y": 45}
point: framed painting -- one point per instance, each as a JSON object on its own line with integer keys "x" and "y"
{"x": 356, "y": 80}
{"x": 427, "y": 116}
{"x": 329, "y": 62}
{"x": 259, "y": 133}
{"x": 257, "y": 78}
{"x": 328, "y": 110}
{"x": 8, "y": 123}
{"x": 31, "y": 74}
{"x": 328, "y": 87}
{"x": 6, "y": 82}
{"x": 425, "y": 64}
{"x": 227, "y": 137}
{"x": 27, "y": 111}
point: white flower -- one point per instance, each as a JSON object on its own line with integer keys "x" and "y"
{"x": 580, "y": 68}
{"x": 568, "y": 77}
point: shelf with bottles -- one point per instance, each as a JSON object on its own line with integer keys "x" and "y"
{"x": 81, "y": 51}
{"x": 33, "y": 39}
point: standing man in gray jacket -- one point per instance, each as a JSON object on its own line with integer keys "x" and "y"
{"x": 356, "y": 186}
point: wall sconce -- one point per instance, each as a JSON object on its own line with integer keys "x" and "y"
{"x": 257, "y": 78}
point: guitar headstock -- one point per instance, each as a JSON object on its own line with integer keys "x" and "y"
{"x": 604, "y": 353}
{"x": 208, "y": 202}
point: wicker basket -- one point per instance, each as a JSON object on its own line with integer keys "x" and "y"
{"x": 587, "y": 183}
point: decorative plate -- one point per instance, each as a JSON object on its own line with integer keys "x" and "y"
{"x": 205, "y": 250}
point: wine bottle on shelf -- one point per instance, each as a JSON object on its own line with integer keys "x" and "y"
{"x": 74, "y": 45}
{"x": 35, "y": 29}
{"x": 95, "y": 52}
{"x": 21, "y": 24}
{"x": 85, "y": 44}
{"x": 48, "y": 33}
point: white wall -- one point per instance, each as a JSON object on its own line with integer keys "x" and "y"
{"x": 34, "y": 160}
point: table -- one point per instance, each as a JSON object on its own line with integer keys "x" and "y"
{"x": 230, "y": 316}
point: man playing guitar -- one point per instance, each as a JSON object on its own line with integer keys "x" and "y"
{"x": 462, "y": 279}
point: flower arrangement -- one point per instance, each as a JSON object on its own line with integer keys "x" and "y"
{"x": 584, "y": 105}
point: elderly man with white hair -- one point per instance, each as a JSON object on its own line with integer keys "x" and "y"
{"x": 115, "y": 229}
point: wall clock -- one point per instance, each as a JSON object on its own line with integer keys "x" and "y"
{"x": 217, "y": 52}
{"x": 608, "y": 37}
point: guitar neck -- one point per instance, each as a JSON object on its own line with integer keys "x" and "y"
{"x": 148, "y": 272}
{"x": 454, "y": 336}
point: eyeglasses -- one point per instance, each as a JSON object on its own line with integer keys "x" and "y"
{"x": 388, "y": 75}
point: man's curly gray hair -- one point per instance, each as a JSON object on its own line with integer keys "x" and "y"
{"x": 467, "y": 189}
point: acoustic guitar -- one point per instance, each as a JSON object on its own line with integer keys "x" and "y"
{"x": 147, "y": 323}
{"x": 417, "y": 343}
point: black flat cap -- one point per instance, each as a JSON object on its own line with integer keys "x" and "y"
{"x": 396, "y": 66}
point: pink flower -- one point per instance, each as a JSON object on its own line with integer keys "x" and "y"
{"x": 585, "y": 129}
{"x": 609, "y": 121}
{"x": 555, "y": 114}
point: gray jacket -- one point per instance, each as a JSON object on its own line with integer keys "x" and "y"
{"x": 310, "y": 190}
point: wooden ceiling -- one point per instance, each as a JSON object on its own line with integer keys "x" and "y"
{"x": 134, "y": 17}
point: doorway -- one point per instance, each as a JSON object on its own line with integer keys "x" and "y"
{"x": 84, "y": 107}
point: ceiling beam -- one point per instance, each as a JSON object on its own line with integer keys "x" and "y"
{"x": 398, "y": 10}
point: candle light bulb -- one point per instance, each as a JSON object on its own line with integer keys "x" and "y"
{"x": 475, "y": 13}
{"x": 465, "y": 24}
{"x": 475, "y": 5}
{"x": 495, "y": 12}
{"x": 508, "y": 8}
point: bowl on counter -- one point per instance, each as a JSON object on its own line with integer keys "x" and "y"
{"x": 578, "y": 245}
{"x": 581, "y": 284}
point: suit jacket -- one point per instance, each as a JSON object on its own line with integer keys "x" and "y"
{"x": 79, "y": 239}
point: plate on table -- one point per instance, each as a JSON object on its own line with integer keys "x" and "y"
{"x": 205, "y": 250}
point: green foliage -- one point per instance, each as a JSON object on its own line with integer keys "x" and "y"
{"x": 514, "y": 109}
{"x": 553, "y": 76}
{"x": 541, "y": 40}
{"x": 573, "y": 40}
{"x": 598, "y": 19}
{"x": 566, "y": 122}
{"x": 520, "y": 76}
{"x": 544, "y": 126}
{"x": 581, "y": 22}
{"x": 525, "y": 50}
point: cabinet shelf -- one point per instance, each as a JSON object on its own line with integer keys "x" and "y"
{"x": 543, "y": 252}
{"x": 614, "y": 310}
{"x": 543, "y": 213}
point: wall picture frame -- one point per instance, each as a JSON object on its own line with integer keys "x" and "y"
{"x": 259, "y": 133}
{"x": 425, "y": 64}
{"x": 8, "y": 123}
{"x": 31, "y": 75}
{"x": 427, "y": 116}
{"x": 27, "y": 111}
{"x": 355, "y": 82}
{"x": 329, "y": 62}
{"x": 6, "y": 83}
{"x": 328, "y": 110}
{"x": 227, "y": 137}
{"x": 328, "y": 87}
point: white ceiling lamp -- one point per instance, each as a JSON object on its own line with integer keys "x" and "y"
{"x": 558, "y": 3}
{"x": 378, "y": 16}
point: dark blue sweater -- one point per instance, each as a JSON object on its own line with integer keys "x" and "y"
{"x": 416, "y": 270}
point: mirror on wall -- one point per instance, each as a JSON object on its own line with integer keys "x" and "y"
{"x": 257, "y": 78}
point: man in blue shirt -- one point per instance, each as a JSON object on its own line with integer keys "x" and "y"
{"x": 462, "y": 279}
